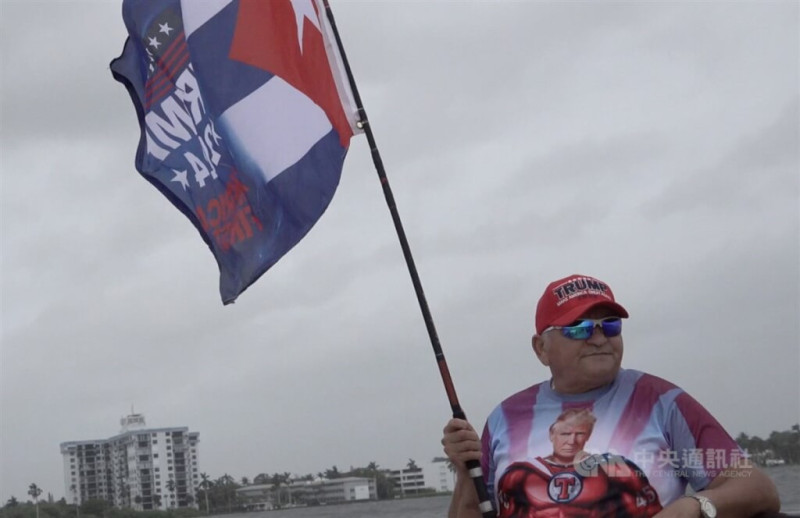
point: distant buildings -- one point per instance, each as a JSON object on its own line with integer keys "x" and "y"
{"x": 434, "y": 476}
{"x": 141, "y": 468}
{"x": 431, "y": 476}
{"x": 408, "y": 481}
{"x": 316, "y": 492}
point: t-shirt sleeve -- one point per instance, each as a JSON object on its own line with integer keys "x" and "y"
{"x": 701, "y": 447}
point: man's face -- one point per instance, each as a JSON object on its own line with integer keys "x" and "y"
{"x": 568, "y": 438}
{"x": 581, "y": 365}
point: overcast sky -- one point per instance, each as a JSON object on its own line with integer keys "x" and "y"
{"x": 653, "y": 145}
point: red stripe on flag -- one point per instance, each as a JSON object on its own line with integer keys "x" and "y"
{"x": 166, "y": 64}
{"x": 165, "y": 85}
{"x": 266, "y": 37}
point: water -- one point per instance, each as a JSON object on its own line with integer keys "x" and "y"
{"x": 429, "y": 507}
{"x": 787, "y": 478}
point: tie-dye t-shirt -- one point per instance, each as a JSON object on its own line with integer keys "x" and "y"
{"x": 630, "y": 448}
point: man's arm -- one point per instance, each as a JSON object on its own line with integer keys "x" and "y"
{"x": 737, "y": 492}
{"x": 464, "y": 503}
{"x": 461, "y": 443}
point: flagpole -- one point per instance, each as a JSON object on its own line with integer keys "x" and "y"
{"x": 473, "y": 466}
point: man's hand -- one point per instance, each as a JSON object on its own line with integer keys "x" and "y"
{"x": 461, "y": 443}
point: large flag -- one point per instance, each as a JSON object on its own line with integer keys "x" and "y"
{"x": 246, "y": 116}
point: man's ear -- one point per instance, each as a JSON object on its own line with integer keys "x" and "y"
{"x": 540, "y": 349}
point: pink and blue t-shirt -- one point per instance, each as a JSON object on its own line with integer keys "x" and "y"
{"x": 644, "y": 419}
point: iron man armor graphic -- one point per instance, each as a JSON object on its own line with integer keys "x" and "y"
{"x": 598, "y": 486}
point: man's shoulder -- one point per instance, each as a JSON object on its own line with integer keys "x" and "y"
{"x": 524, "y": 396}
{"x": 643, "y": 381}
{"x": 523, "y": 399}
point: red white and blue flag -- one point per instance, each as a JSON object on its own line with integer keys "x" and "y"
{"x": 246, "y": 117}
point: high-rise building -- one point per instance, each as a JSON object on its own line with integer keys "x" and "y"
{"x": 141, "y": 468}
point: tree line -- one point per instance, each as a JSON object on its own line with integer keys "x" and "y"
{"x": 783, "y": 446}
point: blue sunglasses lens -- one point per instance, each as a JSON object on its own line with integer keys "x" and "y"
{"x": 580, "y": 330}
{"x": 583, "y": 329}
{"x": 612, "y": 326}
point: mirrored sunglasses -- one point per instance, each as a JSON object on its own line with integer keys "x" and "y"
{"x": 582, "y": 329}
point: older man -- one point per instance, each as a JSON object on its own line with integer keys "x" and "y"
{"x": 659, "y": 431}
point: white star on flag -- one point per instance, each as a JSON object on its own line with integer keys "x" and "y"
{"x": 165, "y": 28}
{"x": 154, "y": 42}
{"x": 180, "y": 176}
{"x": 304, "y": 9}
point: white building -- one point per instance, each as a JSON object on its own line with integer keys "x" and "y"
{"x": 431, "y": 476}
{"x": 439, "y": 477}
{"x": 408, "y": 481}
{"x": 141, "y": 468}
{"x": 298, "y": 492}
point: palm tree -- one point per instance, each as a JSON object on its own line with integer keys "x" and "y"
{"x": 74, "y": 489}
{"x": 227, "y": 481}
{"x": 332, "y": 473}
{"x": 205, "y": 484}
{"x": 276, "y": 489}
{"x": 171, "y": 488}
{"x": 35, "y": 491}
{"x": 286, "y": 480}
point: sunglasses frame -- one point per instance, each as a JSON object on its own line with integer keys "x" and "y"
{"x": 581, "y": 326}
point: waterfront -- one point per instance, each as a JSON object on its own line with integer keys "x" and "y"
{"x": 787, "y": 478}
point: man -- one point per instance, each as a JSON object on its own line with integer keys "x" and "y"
{"x": 672, "y": 440}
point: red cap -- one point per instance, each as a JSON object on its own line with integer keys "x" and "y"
{"x": 565, "y": 300}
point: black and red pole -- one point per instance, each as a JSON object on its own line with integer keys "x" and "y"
{"x": 474, "y": 467}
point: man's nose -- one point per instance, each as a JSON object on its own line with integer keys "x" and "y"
{"x": 598, "y": 337}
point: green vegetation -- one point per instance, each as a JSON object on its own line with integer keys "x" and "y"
{"x": 779, "y": 446}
